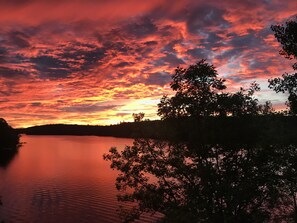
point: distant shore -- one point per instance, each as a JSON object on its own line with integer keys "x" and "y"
{"x": 246, "y": 129}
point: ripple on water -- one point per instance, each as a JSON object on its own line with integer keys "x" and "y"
{"x": 37, "y": 187}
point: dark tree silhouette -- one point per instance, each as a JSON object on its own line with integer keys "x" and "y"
{"x": 266, "y": 108}
{"x": 199, "y": 94}
{"x": 9, "y": 141}
{"x": 240, "y": 103}
{"x": 287, "y": 36}
{"x": 207, "y": 183}
{"x": 9, "y": 138}
{"x": 138, "y": 117}
{"x": 196, "y": 89}
{"x": 286, "y": 84}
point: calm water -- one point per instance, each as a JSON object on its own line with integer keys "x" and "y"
{"x": 61, "y": 179}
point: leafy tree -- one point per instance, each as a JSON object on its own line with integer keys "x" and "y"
{"x": 138, "y": 117}
{"x": 243, "y": 102}
{"x": 240, "y": 103}
{"x": 287, "y": 36}
{"x": 286, "y": 84}
{"x": 285, "y": 163}
{"x": 198, "y": 94}
{"x": 206, "y": 183}
{"x": 224, "y": 104}
{"x": 174, "y": 107}
{"x": 9, "y": 138}
{"x": 266, "y": 109}
{"x": 196, "y": 89}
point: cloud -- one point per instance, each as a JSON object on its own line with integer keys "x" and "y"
{"x": 151, "y": 43}
{"x": 19, "y": 39}
{"x": 158, "y": 78}
{"x": 11, "y": 73}
{"x": 172, "y": 59}
{"x": 205, "y": 16}
{"x": 3, "y": 53}
{"x": 123, "y": 64}
{"x": 123, "y": 114}
{"x": 4, "y": 100}
{"x": 199, "y": 53}
{"x": 36, "y": 104}
{"x": 51, "y": 67}
{"x": 141, "y": 27}
{"x": 61, "y": 62}
{"x": 88, "y": 108}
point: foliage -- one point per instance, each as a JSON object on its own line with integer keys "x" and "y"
{"x": 199, "y": 94}
{"x": 287, "y": 36}
{"x": 138, "y": 117}
{"x": 245, "y": 103}
{"x": 8, "y": 136}
{"x": 206, "y": 183}
{"x": 287, "y": 164}
{"x": 198, "y": 180}
{"x": 9, "y": 142}
{"x": 196, "y": 88}
{"x": 266, "y": 109}
{"x": 288, "y": 83}
{"x": 240, "y": 103}
{"x": 274, "y": 128}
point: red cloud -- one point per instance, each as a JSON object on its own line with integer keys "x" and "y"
{"x": 61, "y": 58}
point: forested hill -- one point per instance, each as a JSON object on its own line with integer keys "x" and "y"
{"x": 246, "y": 129}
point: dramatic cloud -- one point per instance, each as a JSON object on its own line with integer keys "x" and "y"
{"x": 86, "y": 108}
{"x": 97, "y": 62}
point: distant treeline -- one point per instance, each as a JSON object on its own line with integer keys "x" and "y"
{"x": 9, "y": 142}
{"x": 246, "y": 129}
{"x": 9, "y": 138}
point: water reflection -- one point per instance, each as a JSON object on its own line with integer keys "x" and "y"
{"x": 207, "y": 183}
{"x": 6, "y": 157}
{"x": 60, "y": 179}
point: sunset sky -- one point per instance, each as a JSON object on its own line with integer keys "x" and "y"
{"x": 97, "y": 62}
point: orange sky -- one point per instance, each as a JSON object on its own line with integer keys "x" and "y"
{"x": 97, "y": 62}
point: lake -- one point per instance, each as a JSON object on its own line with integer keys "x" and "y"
{"x": 61, "y": 179}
